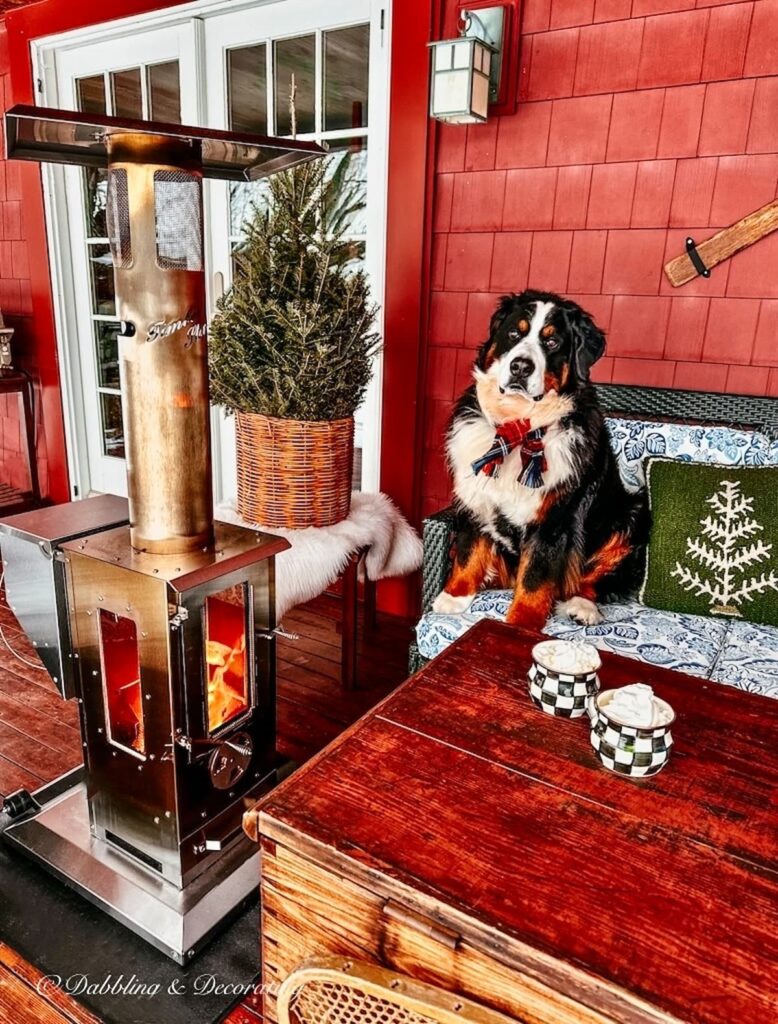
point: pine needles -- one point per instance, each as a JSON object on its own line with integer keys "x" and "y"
{"x": 293, "y": 337}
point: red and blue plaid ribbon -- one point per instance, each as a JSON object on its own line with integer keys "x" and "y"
{"x": 509, "y": 437}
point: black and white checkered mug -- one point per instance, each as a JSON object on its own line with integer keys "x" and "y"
{"x": 563, "y": 693}
{"x": 627, "y": 749}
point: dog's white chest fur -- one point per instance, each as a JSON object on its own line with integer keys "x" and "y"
{"x": 487, "y": 497}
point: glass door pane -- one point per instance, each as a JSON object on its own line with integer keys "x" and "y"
{"x": 126, "y": 93}
{"x": 247, "y": 88}
{"x": 91, "y": 94}
{"x": 295, "y": 71}
{"x": 346, "y": 77}
{"x": 164, "y": 89}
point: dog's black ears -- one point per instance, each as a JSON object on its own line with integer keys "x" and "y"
{"x": 486, "y": 352}
{"x": 588, "y": 341}
{"x": 485, "y": 355}
{"x": 505, "y": 307}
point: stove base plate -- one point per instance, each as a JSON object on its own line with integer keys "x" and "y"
{"x": 178, "y": 922}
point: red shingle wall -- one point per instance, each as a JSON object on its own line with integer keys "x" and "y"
{"x": 17, "y": 307}
{"x": 639, "y": 122}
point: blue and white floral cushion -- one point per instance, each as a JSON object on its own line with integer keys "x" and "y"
{"x": 688, "y": 643}
{"x": 634, "y": 441}
{"x": 434, "y": 631}
{"x": 749, "y": 658}
{"x": 739, "y": 654}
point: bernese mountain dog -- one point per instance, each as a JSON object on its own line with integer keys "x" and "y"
{"x": 540, "y": 505}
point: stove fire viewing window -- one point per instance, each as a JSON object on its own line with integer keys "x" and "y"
{"x": 121, "y": 681}
{"x": 225, "y": 656}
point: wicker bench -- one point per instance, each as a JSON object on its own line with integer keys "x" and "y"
{"x": 654, "y": 405}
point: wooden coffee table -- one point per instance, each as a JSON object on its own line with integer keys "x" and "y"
{"x": 460, "y": 835}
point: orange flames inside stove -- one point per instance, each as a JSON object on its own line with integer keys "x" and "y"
{"x": 225, "y": 655}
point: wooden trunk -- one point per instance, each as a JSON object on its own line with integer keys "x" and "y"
{"x": 461, "y": 836}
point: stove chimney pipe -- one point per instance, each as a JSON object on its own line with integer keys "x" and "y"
{"x": 155, "y": 228}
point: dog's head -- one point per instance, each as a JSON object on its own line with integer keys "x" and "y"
{"x": 539, "y": 343}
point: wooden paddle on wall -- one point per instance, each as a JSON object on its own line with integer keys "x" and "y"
{"x": 700, "y": 259}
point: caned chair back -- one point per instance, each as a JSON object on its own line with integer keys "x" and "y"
{"x": 335, "y": 990}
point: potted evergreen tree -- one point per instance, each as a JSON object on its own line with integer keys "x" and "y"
{"x": 291, "y": 348}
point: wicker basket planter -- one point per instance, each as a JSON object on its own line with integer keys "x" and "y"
{"x": 293, "y": 473}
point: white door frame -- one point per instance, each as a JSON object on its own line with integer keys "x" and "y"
{"x": 54, "y": 57}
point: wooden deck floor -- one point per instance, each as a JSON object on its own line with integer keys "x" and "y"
{"x": 39, "y": 739}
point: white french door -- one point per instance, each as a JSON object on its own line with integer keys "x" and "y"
{"x": 226, "y": 64}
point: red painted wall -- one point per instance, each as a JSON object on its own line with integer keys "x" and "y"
{"x": 32, "y": 342}
{"x": 639, "y": 122}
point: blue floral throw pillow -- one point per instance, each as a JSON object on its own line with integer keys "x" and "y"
{"x": 714, "y": 540}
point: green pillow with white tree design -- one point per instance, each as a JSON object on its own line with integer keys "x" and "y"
{"x": 714, "y": 540}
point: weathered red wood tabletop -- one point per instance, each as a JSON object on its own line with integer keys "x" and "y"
{"x": 458, "y": 787}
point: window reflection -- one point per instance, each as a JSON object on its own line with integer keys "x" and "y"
{"x": 247, "y": 89}
{"x": 103, "y": 296}
{"x": 126, "y": 94}
{"x": 107, "y": 344}
{"x": 164, "y": 90}
{"x": 112, "y": 425}
{"x": 91, "y": 94}
{"x": 295, "y": 62}
{"x": 349, "y": 163}
{"x": 346, "y": 71}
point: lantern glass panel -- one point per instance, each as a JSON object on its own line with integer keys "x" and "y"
{"x": 451, "y": 92}
{"x": 480, "y": 101}
{"x": 443, "y": 56}
{"x": 463, "y": 53}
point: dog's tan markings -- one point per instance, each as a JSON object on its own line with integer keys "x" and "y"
{"x": 489, "y": 357}
{"x": 551, "y": 382}
{"x": 482, "y": 564}
{"x": 530, "y": 608}
{"x": 603, "y": 562}
{"x": 499, "y": 408}
{"x": 548, "y": 331}
{"x": 523, "y": 326}
{"x": 571, "y": 582}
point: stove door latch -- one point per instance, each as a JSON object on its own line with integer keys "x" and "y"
{"x": 178, "y": 616}
{"x": 270, "y": 634}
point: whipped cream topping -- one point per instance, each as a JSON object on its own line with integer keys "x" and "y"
{"x": 569, "y": 657}
{"x": 636, "y": 705}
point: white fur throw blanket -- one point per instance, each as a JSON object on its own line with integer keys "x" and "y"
{"x": 319, "y": 555}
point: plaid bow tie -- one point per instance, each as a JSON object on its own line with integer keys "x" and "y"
{"x": 508, "y": 437}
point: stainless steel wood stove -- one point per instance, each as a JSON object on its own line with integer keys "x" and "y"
{"x": 163, "y": 625}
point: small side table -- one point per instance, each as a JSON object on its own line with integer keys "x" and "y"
{"x": 19, "y": 382}
{"x": 350, "y": 603}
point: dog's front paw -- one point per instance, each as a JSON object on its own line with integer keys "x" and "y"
{"x": 582, "y": 610}
{"x": 448, "y": 604}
